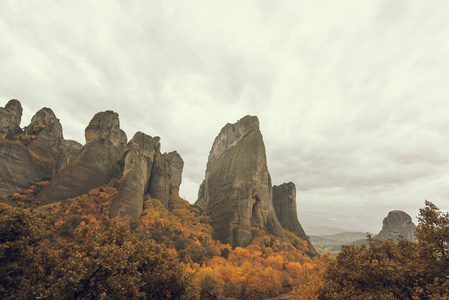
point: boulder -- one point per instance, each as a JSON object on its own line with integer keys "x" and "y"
{"x": 397, "y": 223}
{"x": 94, "y": 165}
{"x": 237, "y": 189}
{"x": 138, "y": 157}
{"x": 10, "y": 117}
{"x": 284, "y": 203}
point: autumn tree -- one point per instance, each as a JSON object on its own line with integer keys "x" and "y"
{"x": 384, "y": 269}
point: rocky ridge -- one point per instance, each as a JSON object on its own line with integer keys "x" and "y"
{"x": 33, "y": 154}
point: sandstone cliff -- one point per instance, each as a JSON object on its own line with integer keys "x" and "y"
{"x": 284, "y": 203}
{"x": 397, "y": 223}
{"x": 237, "y": 188}
{"x": 35, "y": 154}
{"x": 138, "y": 157}
{"x": 10, "y": 117}
{"x": 146, "y": 172}
{"x": 94, "y": 165}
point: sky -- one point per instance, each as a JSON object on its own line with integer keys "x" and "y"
{"x": 352, "y": 96}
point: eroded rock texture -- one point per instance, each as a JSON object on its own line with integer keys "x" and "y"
{"x": 166, "y": 177}
{"x": 40, "y": 158}
{"x": 138, "y": 157}
{"x": 396, "y": 224}
{"x": 284, "y": 203}
{"x": 146, "y": 172}
{"x": 237, "y": 188}
{"x": 10, "y": 117}
{"x": 94, "y": 165}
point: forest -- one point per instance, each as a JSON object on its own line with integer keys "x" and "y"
{"x": 72, "y": 250}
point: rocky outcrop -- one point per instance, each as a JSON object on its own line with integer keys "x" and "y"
{"x": 18, "y": 168}
{"x": 284, "y": 203}
{"x": 146, "y": 172}
{"x": 237, "y": 189}
{"x": 94, "y": 165}
{"x": 138, "y": 157}
{"x": 49, "y": 147}
{"x": 166, "y": 177}
{"x": 10, "y": 117}
{"x": 397, "y": 224}
{"x": 35, "y": 154}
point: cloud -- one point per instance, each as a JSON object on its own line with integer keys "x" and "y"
{"x": 351, "y": 96}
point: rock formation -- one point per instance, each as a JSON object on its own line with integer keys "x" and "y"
{"x": 10, "y": 117}
{"x": 138, "y": 157}
{"x": 237, "y": 188}
{"x": 396, "y": 224}
{"x": 34, "y": 155}
{"x": 166, "y": 177}
{"x": 146, "y": 172}
{"x": 94, "y": 165}
{"x": 49, "y": 147}
{"x": 284, "y": 203}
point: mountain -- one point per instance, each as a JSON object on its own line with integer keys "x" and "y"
{"x": 237, "y": 189}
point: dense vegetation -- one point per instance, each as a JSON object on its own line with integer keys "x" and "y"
{"x": 71, "y": 250}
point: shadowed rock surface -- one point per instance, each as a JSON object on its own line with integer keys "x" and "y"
{"x": 396, "y": 224}
{"x": 139, "y": 157}
{"x": 94, "y": 165}
{"x": 18, "y": 169}
{"x": 237, "y": 189}
{"x": 49, "y": 147}
{"x": 10, "y": 117}
{"x": 40, "y": 157}
{"x": 166, "y": 177}
{"x": 284, "y": 203}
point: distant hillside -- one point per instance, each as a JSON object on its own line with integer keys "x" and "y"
{"x": 332, "y": 242}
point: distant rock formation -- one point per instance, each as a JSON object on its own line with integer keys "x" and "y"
{"x": 237, "y": 189}
{"x": 396, "y": 224}
{"x": 96, "y": 163}
{"x": 39, "y": 157}
{"x": 284, "y": 203}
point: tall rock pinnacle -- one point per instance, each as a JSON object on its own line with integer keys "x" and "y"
{"x": 284, "y": 203}
{"x": 237, "y": 189}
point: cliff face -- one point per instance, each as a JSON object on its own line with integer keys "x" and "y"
{"x": 396, "y": 224}
{"x": 138, "y": 156}
{"x": 94, "y": 165}
{"x": 237, "y": 188}
{"x": 10, "y": 117}
{"x": 284, "y": 203}
{"x": 34, "y": 155}
{"x": 146, "y": 172}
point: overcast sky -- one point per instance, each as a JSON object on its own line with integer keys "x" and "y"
{"x": 352, "y": 96}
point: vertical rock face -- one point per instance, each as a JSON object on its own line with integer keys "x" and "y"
{"x": 237, "y": 188}
{"x": 95, "y": 163}
{"x": 396, "y": 224}
{"x": 146, "y": 172}
{"x": 49, "y": 147}
{"x": 284, "y": 203}
{"x": 139, "y": 157}
{"x": 166, "y": 177}
{"x": 39, "y": 158}
{"x": 10, "y": 117}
